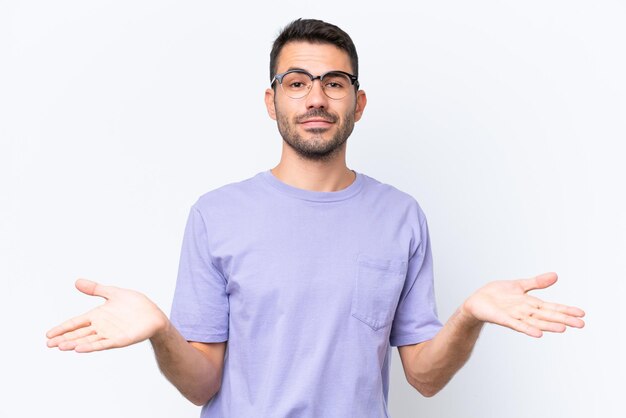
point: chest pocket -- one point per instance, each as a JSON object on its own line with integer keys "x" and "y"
{"x": 377, "y": 290}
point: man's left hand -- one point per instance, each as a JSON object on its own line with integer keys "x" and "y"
{"x": 508, "y": 303}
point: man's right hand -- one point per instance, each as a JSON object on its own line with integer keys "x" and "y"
{"x": 126, "y": 317}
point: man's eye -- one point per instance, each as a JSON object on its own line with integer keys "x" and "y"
{"x": 296, "y": 85}
{"x": 334, "y": 85}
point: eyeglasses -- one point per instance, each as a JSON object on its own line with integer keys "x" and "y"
{"x": 298, "y": 83}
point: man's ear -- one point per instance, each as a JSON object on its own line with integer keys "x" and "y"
{"x": 361, "y": 101}
{"x": 269, "y": 103}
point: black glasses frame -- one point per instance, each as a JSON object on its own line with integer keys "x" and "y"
{"x": 354, "y": 80}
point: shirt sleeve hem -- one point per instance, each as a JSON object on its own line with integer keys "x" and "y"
{"x": 410, "y": 339}
{"x": 204, "y": 337}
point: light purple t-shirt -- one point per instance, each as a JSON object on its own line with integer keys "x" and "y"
{"x": 311, "y": 290}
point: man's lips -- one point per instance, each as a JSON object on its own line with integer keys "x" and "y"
{"x": 316, "y": 123}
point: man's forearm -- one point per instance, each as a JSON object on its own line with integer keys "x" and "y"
{"x": 430, "y": 365}
{"x": 194, "y": 373}
{"x": 434, "y": 362}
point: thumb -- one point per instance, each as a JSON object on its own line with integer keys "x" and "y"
{"x": 91, "y": 288}
{"x": 539, "y": 282}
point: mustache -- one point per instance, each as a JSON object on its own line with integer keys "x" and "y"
{"x": 317, "y": 113}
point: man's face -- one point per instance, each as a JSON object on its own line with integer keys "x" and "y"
{"x": 316, "y": 127}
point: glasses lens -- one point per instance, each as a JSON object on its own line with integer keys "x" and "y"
{"x": 296, "y": 85}
{"x": 336, "y": 85}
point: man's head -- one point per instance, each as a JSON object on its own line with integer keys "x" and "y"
{"x": 314, "y": 116}
{"x": 314, "y": 32}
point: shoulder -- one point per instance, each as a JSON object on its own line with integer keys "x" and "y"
{"x": 228, "y": 196}
{"x": 389, "y": 195}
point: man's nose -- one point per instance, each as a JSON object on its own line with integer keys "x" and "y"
{"x": 316, "y": 96}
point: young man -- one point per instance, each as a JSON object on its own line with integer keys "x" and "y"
{"x": 295, "y": 283}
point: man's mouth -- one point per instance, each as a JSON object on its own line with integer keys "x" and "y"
{"x": 316, "y": 123}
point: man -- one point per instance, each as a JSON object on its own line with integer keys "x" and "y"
{"x": 309, "y": 271}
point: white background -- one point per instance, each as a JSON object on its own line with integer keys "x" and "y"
{"x": 505, "y": 119}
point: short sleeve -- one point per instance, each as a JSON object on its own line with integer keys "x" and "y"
{"x": 200, "y": 308}
{"x": 416, "y": 320}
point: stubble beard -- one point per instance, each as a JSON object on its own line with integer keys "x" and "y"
{"x": 315, "y": 148}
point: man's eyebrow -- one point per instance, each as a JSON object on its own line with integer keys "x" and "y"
{"x": 307, "y": 71}
{"x": 296, "y": 68}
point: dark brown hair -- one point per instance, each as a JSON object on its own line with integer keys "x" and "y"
{"x": 314, "y": 31}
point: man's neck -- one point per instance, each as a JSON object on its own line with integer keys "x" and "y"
{"x": 318, "y": 176}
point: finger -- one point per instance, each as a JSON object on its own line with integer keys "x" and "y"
{"x": 538, "y": 282}
{"x": 557, "y": 317}
{"x": 98, "y": 345}
{"x": 69, "y": 325}
{"x": 71, "y": 336}
{"x": 89, "y": 339}
{"x": 71, "y": 345}
{"x": 523, "y": 327}
{"x": 66, "y": 345}
{"x": 91, "y": 288}
{"x": 564, "y": 309}
{"x": 545, "y": 325}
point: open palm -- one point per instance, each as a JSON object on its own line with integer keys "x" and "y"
{"x": 508, "y": 303}
{"x": 126, "y": 317}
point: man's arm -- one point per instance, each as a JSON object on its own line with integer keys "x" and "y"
{"x": 430, "y": 365}
{"x": 128, "y": 317}
{"x": 194, "y": 368}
